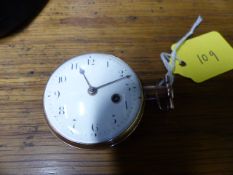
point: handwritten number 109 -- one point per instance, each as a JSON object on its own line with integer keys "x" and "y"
{"x": 206, "y": 57}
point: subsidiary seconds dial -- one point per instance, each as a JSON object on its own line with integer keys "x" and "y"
{"x": 93, "y": 100}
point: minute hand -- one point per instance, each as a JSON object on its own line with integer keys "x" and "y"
{"x": 109, "y": 83}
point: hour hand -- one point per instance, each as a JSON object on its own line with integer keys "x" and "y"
{"x": 82, "y": 71}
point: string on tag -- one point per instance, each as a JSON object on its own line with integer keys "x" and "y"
{"x": 169, "y": 59}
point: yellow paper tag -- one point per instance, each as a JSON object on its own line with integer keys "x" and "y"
{"x": 206, "y": 56}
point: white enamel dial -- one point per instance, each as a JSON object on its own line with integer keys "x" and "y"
{"x": 93, "y": 99}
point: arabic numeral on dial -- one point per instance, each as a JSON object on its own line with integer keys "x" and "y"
{"x": 62, "y": 79}
{"x": 126, "y": 105}
{"x": 74, "y": 66}
{"x": 94, "y": 129}
{"x": 61, "y": 110}
{"x": 114, "y": 119}
{"x": 122, "y": 73}
{"x": 57, "y": 94}
{"x": 91, "y": 61}
{"x": 74, "y": 123}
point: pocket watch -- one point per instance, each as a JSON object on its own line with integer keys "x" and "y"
{"x": 96, "y": 100}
